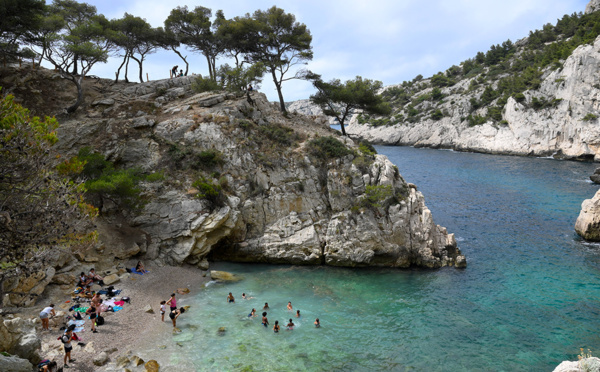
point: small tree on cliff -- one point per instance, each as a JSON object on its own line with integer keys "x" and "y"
{"x": 279, "y": 43}
{"x": 19, "y": 19}
{"x": 342, "y": 100}
{"x": 39, "y": 207}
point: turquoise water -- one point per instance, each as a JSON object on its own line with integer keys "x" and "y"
{"x": 529, "y": 298}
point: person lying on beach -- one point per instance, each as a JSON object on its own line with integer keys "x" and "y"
{"x": 289, "y": 306}
{"x": 230, "y": 298}
{"x": 265, "y": 321}
{"x": 174, "y": 314}
{"x": 252, "y": 313}
{"x": 290, "y": 325}
{"x": 276, "y": 326}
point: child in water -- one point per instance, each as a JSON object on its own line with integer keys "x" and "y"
{"x": 230, "y": 298}
{"x": 276, "y": 326}
{"x": 265, "y": 321}
{"x": 252, "y": 313}
{"x": 317, "y": 323}
{"x": 297, "y": 313}
{"x": 290, "y": 325}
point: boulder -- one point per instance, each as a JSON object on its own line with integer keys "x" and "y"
{"x": 111, "y": 279}
{"x": 587, "y": 364}
{"x": 224, "y": 276}
{"x": 183, "y": 290}
{"x": 137, "y": 361}
{"x": 148, "y": 309}
{"x": 596, "y": 176}
{"x": 104, "y": 102}
{"x": 588, "y": 222}
{"x": 123, "y": 361}
{"x": 152, "y": 366}
{"x": 14, "y": 364}
{"x": 63, "y": 279}
{"x": 100, "y": 359}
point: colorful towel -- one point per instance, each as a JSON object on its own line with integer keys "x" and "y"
{"x": 120, "y": 303}
{"x": 134, "y": 271}
{"x": 117, "y": 308}
{"x": 78, "y": 325}
{"x": 82, "y": 309}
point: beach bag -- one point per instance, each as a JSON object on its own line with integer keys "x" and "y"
{"x": 64, "y": 338}
{"x": 99, "y": 320}
{"x": 126, "y": 299}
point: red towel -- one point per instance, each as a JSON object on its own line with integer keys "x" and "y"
{"x": 120, "y": 303}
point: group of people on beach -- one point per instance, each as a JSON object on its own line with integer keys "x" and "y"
{"x": 265, "y": 320}
{"x": 174, "y": 311}
{"x": 83, "y": 292}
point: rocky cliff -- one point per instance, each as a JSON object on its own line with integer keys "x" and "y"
{"x": 279, "y": 203}
{"x": 475, "y": 107}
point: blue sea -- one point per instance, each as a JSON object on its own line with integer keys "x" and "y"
{"x": 529, "y": 298}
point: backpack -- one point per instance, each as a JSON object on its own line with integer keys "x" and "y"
{"x": 64, "y": 338}
{"x": 99, "y": 320}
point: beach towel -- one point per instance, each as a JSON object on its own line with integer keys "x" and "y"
{"x": 78, "y": 325}
{"x": 117, "y": 308}
{"x": 134, "y": 271}
{"x": 119, "y": 303}
{"x": 81, "y": 309}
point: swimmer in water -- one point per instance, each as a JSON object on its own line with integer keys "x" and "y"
{"x": 266, "y": 307}
{"x": 252, "y": 313}
{"x": 265, "y": 321}
{"x": 230, "y": 298}
{"x": 297, "y": 313}
{"x": 289, "y": 306}
{"x": 276, "y": 326}
{"x": 290, "y": 326}
{"x": 317, "y": 323}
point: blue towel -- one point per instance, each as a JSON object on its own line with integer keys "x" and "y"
{"x": 133, "y": 271}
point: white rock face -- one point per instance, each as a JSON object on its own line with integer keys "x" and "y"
{"x": 588, "y": 364}
{"x": 558, "y": 130}
{"x": 588, "y": 222}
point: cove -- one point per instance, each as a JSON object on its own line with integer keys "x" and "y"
{"x": 529, "y": 298}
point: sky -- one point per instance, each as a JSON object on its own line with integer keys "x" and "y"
{"x": 387, "y": 40}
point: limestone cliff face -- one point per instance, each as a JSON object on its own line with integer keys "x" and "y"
{"x": 281, "y": 205}
{"x": 588, "y": 222}
{"x": 563, "y": 130}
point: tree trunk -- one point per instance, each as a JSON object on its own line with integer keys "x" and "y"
{"x": 127, "y": 70}
{"x": 140, "y": 64}
{"x": 119, "y": 70}
{"x": 77, "y": 83}
{"x": 210, "y": 71}
{"x": 278, "y": 86}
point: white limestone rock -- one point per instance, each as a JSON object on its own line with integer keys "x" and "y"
{"x": 588, "y": 222}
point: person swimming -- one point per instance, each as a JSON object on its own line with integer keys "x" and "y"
{"x": 290, "y": 325}
{"x": 317, "y": 323}
{"x": 252, "y": 313}
{"x": 266, "y": 307}
{"x": 265, "y": 321}
{"x": 297, "y": 313}
{"x": 230, "y": 298}
{"x": 289, "y": 306}
{"x": 276, "y": 326}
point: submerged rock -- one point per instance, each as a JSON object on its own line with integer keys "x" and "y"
{"x": 224, "y": 276}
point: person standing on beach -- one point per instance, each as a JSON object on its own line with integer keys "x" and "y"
{"x": 91, "y": 311}
{"x": 163, "y": 310}
{"x": 66, "y": 340}
{"x": 172, "y": 302}
{"x": 44, "y": 314}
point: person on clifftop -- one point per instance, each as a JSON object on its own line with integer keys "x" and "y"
{"x": 174, "y": 71}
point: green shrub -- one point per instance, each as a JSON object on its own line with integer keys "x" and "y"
{"x": 519, "y": 97}
{"x": 366, "y": 148}
{"x": 377, "y": 195}
{"x": 327, "y": 148}
{"x": 476, "y": 120}
{"x": 205, "y": 85}
{"x": 279, "y": 133}
{"x": 590, "y": 117}
{"x": 209, "y": 191}
{"x": 437, "y": 115}
{"x": 208, "y": 159}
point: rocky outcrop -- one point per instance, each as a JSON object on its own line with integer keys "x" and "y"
{"x": 281, "y": 204}
{"x": 587, "y": 364}
{"x": 592, "y": 6}
{"x": 569, "y": 129}
{"x": 18, "y": 337}
{"x": 14, "y": 364}
{"x": 588, "y": 222}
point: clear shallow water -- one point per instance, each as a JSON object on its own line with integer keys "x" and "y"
{"x": 529, "y": 298}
